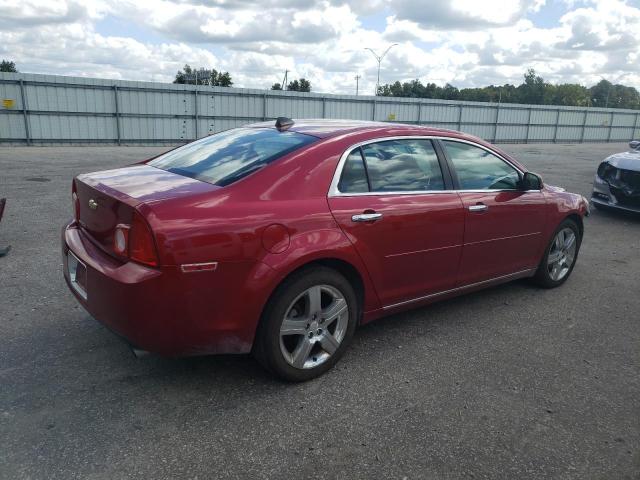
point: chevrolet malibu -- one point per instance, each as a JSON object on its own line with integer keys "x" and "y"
{"x": 281, "y": 239}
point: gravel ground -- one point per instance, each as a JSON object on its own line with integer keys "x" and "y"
{"x": 511, "y": 382}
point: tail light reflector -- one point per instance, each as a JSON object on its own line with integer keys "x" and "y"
{"x": 121, "y": 240}
{"x": 75, "y": 201}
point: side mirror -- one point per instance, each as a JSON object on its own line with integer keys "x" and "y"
{"x": 530, "y": 181}
{"x": 634, "y": 144}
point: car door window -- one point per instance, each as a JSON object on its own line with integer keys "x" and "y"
{"x": 477, "y": 169}
{"x": 354, "y": 176}
{"x": 402, "y": 165}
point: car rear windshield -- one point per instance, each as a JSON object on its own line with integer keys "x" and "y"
{"x": 228, "y": 156}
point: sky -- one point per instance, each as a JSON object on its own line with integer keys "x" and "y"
{"x": 467, "y": 43}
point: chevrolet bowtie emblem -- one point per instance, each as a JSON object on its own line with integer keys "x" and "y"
{"x": 93, "y": 204}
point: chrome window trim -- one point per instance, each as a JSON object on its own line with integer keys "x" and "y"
{"x": 335, "y": 192}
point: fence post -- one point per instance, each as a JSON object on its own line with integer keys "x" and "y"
{"x": 324, "y": 107}
{"x": 526, "y": 139}
{"x": 373, "y": 113}
{"x": 635, "y": 126}
{"x": 584, "y": 125}
{"x": 419, "y": 113}
{"x": 555, "y": 130}
{"x": 117, "y": 107}
{"x": 610, "y": 128}
{"x": 195, "y": 109}
{"x": 495, "y": 125}
{"x": 460, "y": 117}
{"x": 264, "y": 107}
{"x": 23, "y": 95}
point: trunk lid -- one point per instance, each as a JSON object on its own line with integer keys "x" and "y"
{"x": 110, "y": 197}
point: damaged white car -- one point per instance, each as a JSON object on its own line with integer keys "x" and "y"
{"x": 617, "y": 181}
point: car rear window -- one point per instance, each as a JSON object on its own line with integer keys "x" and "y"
{"x": 228, "y": 156}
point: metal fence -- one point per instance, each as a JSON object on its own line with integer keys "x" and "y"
{"x": 49, "y": 109}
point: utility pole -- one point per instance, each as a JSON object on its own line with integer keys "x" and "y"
{"x": 379, "y": 59}
{"x": 284, "y": 81}
{"x": 357, "y": 80}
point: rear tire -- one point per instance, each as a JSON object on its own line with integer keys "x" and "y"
{"x": 560, "y": 255}
{"x": 307, "y": 325}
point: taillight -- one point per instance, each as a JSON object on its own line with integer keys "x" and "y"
{"x": 135, "y": 241}
{"x": 142, "y": 247}
{"x": 75, "y": 203}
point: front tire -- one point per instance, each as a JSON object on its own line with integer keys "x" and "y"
{"x": 307, "y": 324}
{"x": 560, "y": 255}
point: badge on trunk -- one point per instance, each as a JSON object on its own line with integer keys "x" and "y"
{"x": 93, "y": 204}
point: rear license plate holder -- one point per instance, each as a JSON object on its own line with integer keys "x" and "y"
{"x": 77, "y": 274}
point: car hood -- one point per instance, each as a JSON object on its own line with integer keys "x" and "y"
{"x": 625, "y": 160}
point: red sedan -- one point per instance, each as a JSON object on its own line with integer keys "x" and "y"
{"x": 281, "y": 239}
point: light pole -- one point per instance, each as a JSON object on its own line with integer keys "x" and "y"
{"x": 379, "y": 59}
{"x": 357, "y": 81}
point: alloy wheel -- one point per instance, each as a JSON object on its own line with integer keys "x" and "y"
{"x": 313, "y": 327}
{"x": 562, "y": 254}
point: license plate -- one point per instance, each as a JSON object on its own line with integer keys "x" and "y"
{"x": 77, "y": 274}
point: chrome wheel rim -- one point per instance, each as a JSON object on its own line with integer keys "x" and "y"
{"x": 562, "y": 253}
{"x": 314, "y": 326}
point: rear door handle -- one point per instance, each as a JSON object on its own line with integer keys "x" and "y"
{"x": 366, "y": 217}
{"x": 480, "y": 207}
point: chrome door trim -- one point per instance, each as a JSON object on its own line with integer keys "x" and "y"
{"x": 521, "y": 273}
{"x": 335, "y": 192}
{"x": 478, "y": 208}
{"x": 366, "y": 217}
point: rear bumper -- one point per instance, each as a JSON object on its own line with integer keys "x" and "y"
{"x": 160, "y": 310}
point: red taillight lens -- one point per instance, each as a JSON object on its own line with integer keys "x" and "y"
{"x": 142, "y": 247}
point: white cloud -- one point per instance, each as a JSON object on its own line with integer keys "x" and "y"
{"x": 463, "y": 42}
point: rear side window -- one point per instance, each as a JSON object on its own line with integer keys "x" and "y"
{"x": 228, "y": 156}
{"x": 392, "y": 166}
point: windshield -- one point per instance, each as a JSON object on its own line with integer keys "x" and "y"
{"x": 227, "y": 156}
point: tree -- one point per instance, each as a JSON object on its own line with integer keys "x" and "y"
{"x": 302, "y": 85}
{"x": 276, "y": 86}
{"x": 220, "y": 79}
{"x": 532, "y": 90}
{"x": 8, "y": 66}
{"x": 203, "y": 76}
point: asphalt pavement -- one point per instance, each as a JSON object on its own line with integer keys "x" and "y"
{"x": 512, "y": 382}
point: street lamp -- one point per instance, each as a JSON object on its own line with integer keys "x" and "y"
{"x": 379, "y": 59}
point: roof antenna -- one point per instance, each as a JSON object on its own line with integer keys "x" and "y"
{"x": 283, "y": 123}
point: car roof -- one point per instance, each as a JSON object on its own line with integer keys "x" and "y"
{"x": 323, "y": 128}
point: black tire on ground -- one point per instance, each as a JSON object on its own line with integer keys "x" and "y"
{"x": 542, "y": 276}
{"x": 266, "y": 347}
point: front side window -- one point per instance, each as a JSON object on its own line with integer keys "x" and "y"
{"x": 228, "y": 156}
{"x": 477, "y": 169}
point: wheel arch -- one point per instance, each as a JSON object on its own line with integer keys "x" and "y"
{"x": 578, "y": 220}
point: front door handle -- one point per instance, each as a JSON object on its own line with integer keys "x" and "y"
{"x": 366, "y": 217}
{"x": 480, "y": 207}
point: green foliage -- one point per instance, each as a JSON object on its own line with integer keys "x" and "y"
{"x": 204, "y": 77}
{"x": 8, "y": 66}
{"x": 276, "y": 86}
{"x": 302, "y": 85}
{"x": 534, "y": 90}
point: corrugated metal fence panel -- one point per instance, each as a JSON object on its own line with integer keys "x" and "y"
{"x": 67, "y": 109}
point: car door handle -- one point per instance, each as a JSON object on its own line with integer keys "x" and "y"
{"x": 480, "y": 207}
{"x": 366, "y": 217}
